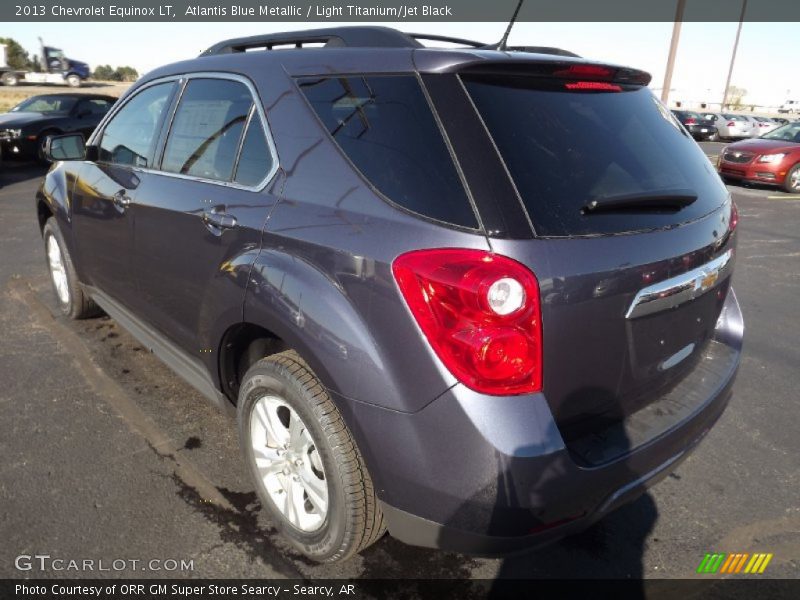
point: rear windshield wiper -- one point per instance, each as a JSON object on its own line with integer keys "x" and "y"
{"x": 647, "y": 201}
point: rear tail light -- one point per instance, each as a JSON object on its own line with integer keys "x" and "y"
{"x": 734, "y": 221}
{"x": 731, "y": 124}
{"x": 586, "y": 71}
{"x": 691, "y": 121}
{"x": 481, "y": 314}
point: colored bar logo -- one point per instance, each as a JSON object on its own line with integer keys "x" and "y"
{"x": 737, "y": 562}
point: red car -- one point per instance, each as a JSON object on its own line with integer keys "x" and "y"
{"x": 773, "y": 158}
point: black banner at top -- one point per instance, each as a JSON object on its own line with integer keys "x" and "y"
{"x": 395, "y": 11}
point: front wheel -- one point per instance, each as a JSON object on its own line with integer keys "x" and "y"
{"x": 10, "y": 79}
{"x": 308, "y": 472}
{"x": 71, "y": 298}
{"x": 792, "y": 181}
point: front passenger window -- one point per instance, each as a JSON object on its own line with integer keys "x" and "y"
{"x": 130, "y": 137}
{"x": 207, "y": 129}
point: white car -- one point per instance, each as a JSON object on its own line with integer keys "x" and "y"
{"x": 790, "y": 106}
{"x": 731, "y": 127}
{"x": 765, "y": 125}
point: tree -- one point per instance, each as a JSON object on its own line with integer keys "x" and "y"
{"x": 735, "y": 96}
{"x": 127, "y": 73}
{"x": 16, "y": 56}
{"x": 108, "y": 73}
{"x": 104, "y": 73}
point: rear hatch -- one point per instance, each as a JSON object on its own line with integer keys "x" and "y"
{"x": 633, "y": 244}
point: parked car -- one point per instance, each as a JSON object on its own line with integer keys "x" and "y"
{"x": 737, "y": 127}
{"x": 772, "y": 159}
{"x": 700, "y": 127}
{"x": 25, "y": 128}
{"x": 432, "y": 310}
{"x": 765, "y": 124}
{"x": 781, "y": 120}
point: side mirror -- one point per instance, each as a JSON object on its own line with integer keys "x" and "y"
{"x": 65, "y": 147}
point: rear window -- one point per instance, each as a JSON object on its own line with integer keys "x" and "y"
{"x": 567, "y": 149}
{"x": 385, "y": 127}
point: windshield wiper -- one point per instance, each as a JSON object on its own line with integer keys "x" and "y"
{"x": 647, "y": 201}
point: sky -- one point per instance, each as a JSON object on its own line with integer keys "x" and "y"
{"x": 766, "y": 63}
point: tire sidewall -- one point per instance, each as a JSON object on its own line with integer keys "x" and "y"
{"x": 270, "y": 378}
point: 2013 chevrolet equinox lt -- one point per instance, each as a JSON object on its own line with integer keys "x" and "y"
{"x": 478, "y": 298}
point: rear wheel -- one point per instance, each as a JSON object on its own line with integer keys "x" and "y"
{"x": 71, "y": 298}
{"x": 308, "y": 471}
{"x": 73, "y": 81}
{"x": 792, "y": 181}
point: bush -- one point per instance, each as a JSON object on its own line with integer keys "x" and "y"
{"x": 108, "y": 73}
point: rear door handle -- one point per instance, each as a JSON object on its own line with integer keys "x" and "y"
{"x": 218, "y": 220}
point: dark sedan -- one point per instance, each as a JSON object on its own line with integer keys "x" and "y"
{"x": 26, "y": 127}
{"x": 698, "y": 126}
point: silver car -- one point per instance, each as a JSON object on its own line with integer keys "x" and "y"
{"x": 765, "y": 125}
{"x": 732, "y": 126}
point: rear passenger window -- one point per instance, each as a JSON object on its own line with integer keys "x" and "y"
{"x": 255, "y": 161}
{"x": 130, "y": 136}
{"x": 386, "y": 128}
{"x": 207, "y": 128}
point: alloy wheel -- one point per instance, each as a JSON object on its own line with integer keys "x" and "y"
{"x": 57, "y": 270}
{"x": 288, "y": 463}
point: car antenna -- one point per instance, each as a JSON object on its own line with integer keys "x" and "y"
{"x": 501, "y": 45}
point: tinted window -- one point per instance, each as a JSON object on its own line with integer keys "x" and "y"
{"x": 385, "y": 126}
{"x": 130, "y": 137}
{"x": 94, "y": 106}
{"x": 207, "y": 128}
{"x": 46, "y": 104}
{"x": 255, "y": 160}
{"x": 566, "y": 149}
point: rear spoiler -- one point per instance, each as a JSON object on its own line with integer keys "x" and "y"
{"x": 516, "y": 64}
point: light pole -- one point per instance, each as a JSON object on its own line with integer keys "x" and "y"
{"x": 673, "y": 49}
{"x": 733, "y": 55}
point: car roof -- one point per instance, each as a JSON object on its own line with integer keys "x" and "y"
{"x": 361, "y": 50}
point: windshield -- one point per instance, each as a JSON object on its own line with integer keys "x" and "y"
{"x": 46, "y": 104}
{"x": 566, "y": 149}
{"x": 786, "y": 133}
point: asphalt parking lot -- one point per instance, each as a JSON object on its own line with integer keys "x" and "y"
{"x": 107, "y": 454}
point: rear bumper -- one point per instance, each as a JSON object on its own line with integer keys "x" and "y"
{"x": 490, "y": 475}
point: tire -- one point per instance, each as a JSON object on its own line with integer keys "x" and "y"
{"x": 72, "y": 300}
{"x": 40, "y": 144}
{"x": 791, "y": 182}
{"x": 714, "y": 137}
{"x": 10, "y": 79}
{"x": 280, "y": 394}
{"x": 73, "y": 81}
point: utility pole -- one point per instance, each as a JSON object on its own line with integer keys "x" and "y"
{"x": 673, "y": 49}
{"x": 733, "y": 55}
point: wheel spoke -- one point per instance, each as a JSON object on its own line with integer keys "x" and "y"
{"x": 296, "y": 431}
{"x": 317, "y": 491}
{"x": 267, "y": 460}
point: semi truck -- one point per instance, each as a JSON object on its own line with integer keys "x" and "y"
{"x": 54, "y": 68}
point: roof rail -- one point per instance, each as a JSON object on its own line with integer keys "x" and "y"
{"x": 357, "y": 37}
{"x": 354, "y": 37}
